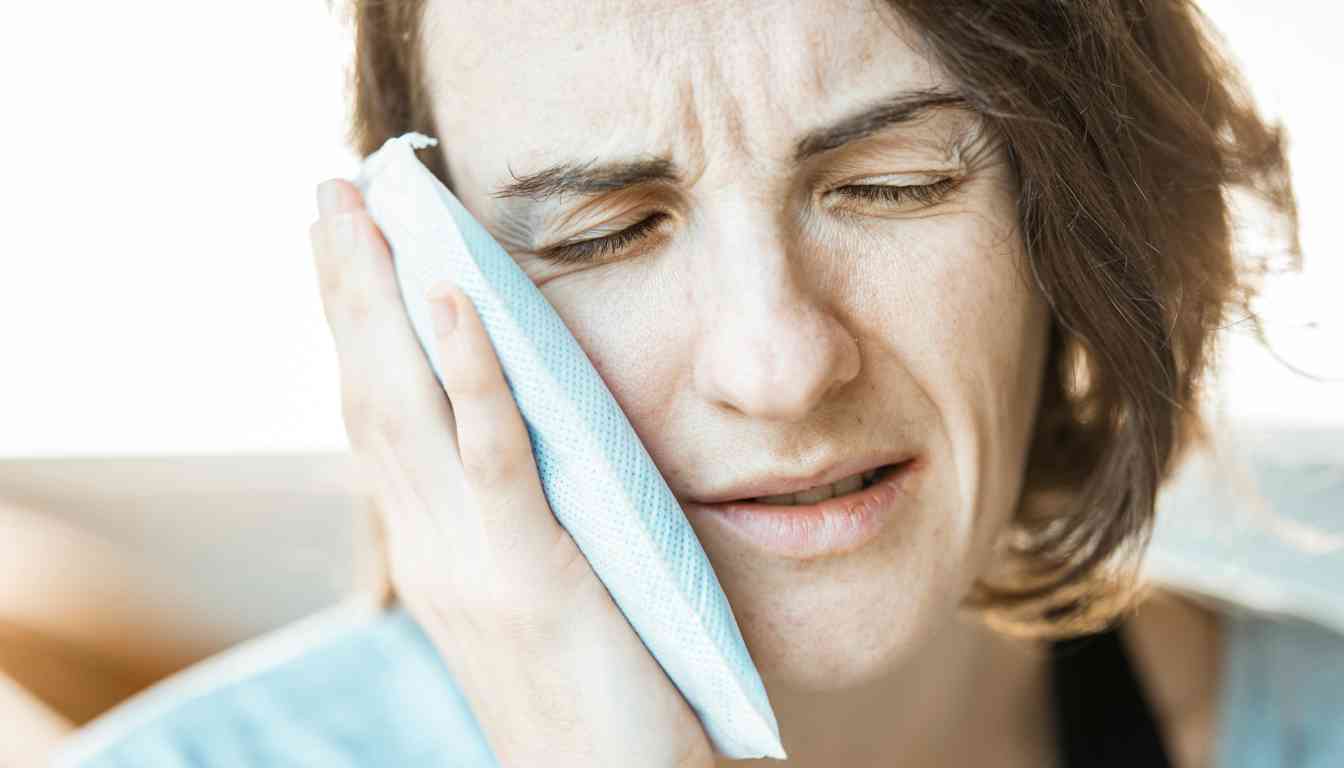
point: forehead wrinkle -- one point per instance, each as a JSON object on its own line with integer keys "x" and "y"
{"x": 699, "y": 116}
{"x": 701, "y": 82}
{"x": 692, "y": 133}
{"x": 723, "y": 107}
{"x": 739, "y": 38}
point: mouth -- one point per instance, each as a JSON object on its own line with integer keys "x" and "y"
{"x": 842, "y": 487}
{"x": 828, "y": 520}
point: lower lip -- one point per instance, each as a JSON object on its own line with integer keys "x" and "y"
{"x": 809, "y": 531}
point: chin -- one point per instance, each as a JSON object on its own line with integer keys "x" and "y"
{"x": 837, "y": 625}
{"x": 846, "y": 621}
{"x": 821, "y": 662}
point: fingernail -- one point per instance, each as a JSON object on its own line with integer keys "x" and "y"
{"x": 442, "y": 307}
{"x": 328, "y": 197}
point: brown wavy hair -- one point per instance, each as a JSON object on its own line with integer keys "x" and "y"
{"x": 1130, "y": 132}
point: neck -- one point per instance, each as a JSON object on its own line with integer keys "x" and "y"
{"x": 968, "y": 697}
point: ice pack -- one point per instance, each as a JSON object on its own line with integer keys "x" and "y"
{"x": 597, "y": 476}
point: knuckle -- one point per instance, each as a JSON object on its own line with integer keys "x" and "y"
{"x": 389, "y": 424}
{"x": 343, "y": 228}
{"x": 487, "y": 463}
{"x": 315, "y": 240}
{"x": 335, "y": 242}
{"x": 333, "y": 304}
{"x": 329, "y": 272}
{"x": 369, "y": 416}
{"x": 357, "y": 228}
{"x": 362, "y": 226}
{"x": 473, "y": 380}
{"x": 355, "y": 406}
{"x": 573, "y": 573}
{"x": 329, "y": 282}
{"x": 358, "y": 307}
{"x": 551, "y": 702}
{"x": 317, "y": 237}
{"x": 540, "y": 596}
{"x": 522, "y": 614}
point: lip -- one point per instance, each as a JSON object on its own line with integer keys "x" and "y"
{"x": 809, "y": 531}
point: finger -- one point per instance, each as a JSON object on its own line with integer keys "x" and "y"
{"x": 393, "y": 398}
{"x": 337, "y": 195}
{"x": 390, "y": 399}
{"x": 369, "y": 293}
{"x": 362, "y": 301}
{"x": 416, "y": 542}
{"x": 498, "y": 469}
{"x": 334, "y": 196}
{"x": 354, "y": 261}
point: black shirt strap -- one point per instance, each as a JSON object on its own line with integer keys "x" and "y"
{"x": 1102, "y": 715}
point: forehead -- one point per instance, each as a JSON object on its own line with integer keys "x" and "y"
{"x": 680, "y": 78}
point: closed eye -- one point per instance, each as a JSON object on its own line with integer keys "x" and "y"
{"x": 593, "y": 249}
{"x": 582, "y": 251}
{"x": 893, "y": 194}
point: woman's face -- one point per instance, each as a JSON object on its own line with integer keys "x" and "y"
{"x": 757, "y": 317}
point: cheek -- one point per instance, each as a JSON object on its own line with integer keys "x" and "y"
{"x": 619, "y": 316}
{"x": 974, "y": 342}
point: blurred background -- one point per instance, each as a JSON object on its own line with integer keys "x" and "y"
{"x": 174, "y": 476}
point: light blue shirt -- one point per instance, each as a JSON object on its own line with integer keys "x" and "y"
{"x": 356, "y": 686}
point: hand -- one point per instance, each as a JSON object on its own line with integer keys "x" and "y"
{"x": 551, "y": 668}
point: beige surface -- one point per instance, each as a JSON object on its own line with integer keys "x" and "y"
{"x": 116, "y": 572}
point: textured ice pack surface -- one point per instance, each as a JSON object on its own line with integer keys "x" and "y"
{"x": 598, "y": 477}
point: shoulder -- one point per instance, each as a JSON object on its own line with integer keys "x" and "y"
{"x": 1175, "y": 642}
{"x": 1283, "y": 682}
{"x": 1230, "y": 683}
{"x": 346, "y": 684}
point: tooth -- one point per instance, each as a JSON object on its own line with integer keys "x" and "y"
{"x": 848, "y": 486}
{"x": 820, "y": 493}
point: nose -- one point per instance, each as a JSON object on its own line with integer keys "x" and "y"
{"x": 774, "y": 348}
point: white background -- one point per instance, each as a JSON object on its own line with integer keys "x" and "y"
{"x": 157, "y": 293}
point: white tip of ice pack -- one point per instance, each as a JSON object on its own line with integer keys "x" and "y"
{"x": 375, "y": 162}
{"x": 417, "y": 140}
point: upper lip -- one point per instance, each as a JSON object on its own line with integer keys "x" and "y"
{"x": 779, "y": 483}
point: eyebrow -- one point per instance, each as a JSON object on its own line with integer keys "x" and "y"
{"x": 591, "y": 178}
{"x": 894, "y": 110}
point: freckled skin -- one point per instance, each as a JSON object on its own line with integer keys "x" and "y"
{"x": 764, "y": 331}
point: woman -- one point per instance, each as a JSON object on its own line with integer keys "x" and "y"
{"x": 983, "y": 246}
